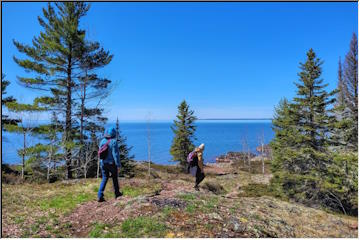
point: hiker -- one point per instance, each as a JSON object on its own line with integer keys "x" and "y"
{"x": 196, "y": 166}
{"x": 109, "y": 162}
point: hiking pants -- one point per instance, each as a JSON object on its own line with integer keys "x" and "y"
{"x": 199, "y": 176}
{"x": 106, "y": 170}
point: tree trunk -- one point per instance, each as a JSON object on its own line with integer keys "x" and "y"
{"x": 48, "y": 170}
{"x": 149, "y": 148}
{"x": 23, "y": 155}
{"x": 98, "y": 168}
{"x": 68, "y": 119}
{"x": 262, "y": 158}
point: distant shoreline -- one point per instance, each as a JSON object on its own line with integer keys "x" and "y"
{"x": 232, "y": 119}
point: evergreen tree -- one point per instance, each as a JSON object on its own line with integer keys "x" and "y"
{"x": 127, "y": 162}
{"x": 58, "y": 58}
{"x": 92, "y": 88}
{"x": 4, "y": 100}
{"x": 284, "y": 144}
{"x": 184, "y": 130}
{"x": 302, "y": 128}
{"x": 24, "y": 126}
{"x": 340, "y": 135}
{"x": 350, "y": 87}
{"x": 311, "y": 112}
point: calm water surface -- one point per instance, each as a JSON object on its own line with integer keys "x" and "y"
{"x": 219, "y": 137}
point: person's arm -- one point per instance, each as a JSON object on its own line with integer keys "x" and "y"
{"x": 116, "y": 156}
{"x": 200, "y": 161}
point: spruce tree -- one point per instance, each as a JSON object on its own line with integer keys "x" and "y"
{"x": 341, "y": 135}
{"x": 284, "y": 143}
{"x": 350, "y": 86}
{"x": 4, "y": 100}
{"x": 311, "y": 111}
{"x": 302, "y": 129}
{"x": 184, "y": 130}
{"x": 127, "y": 162}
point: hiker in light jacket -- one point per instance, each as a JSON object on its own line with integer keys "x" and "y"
{"x": 110, "y": 164}
{"x": 197, "y": 166}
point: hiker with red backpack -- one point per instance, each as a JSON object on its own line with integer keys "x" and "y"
{"x": 109, "y": 162}
{"x": 196, "y": 166}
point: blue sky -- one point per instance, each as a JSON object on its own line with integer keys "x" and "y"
{"x": 228, "y": 60}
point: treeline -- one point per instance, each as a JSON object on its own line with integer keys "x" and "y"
{"x": 316, "y": 137}
{"x": 62, "y": 67}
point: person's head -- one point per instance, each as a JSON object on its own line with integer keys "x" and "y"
{"x": 110, "y": 133}
{"x": 200, "y": 148}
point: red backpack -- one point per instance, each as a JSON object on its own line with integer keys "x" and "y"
{"x": 104, "y": 149}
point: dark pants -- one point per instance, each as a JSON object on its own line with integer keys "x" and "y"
{"x": 199, "y": 177}
{"x": 106, "y": 170}
{"x": 196, "y": 172}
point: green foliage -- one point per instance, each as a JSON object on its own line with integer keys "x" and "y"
{"x": 257, "y": 190}
{"x": 141, "y": 227}
{"x": 190, "y": 208}
{"x": 184, "y": 130}
{"x": 5, "y": 120}
{"x": 127, "y": 162}
{"x": 340, "y": 185}
{"x": 346, "y": 109}
{"x": 63, "y": 64}
{"x": 304, "y": 165}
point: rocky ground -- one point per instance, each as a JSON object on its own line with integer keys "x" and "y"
{"x": 231, "y": 203}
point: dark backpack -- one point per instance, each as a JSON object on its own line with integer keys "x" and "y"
{"x": 104, "y": 150}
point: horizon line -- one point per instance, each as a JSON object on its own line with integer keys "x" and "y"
{"x": 211, "y": 119}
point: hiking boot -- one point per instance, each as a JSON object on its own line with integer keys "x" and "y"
{"x": 118, "y": 195}
{"x": 101, "y": 199}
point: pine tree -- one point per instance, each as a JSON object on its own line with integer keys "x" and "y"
{"x": 56, "y": 58}
{"x": 4, "y": 100}
{"x": 127, "y": 164}
{"x": 350, "y": 87}
{"x": 184, "y": 130}
{"x": 23, "y": 126}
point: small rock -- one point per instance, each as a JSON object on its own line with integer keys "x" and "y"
{"x": 272, "y": 205}
{"x": 215, "y": 216}
{"x": 232, "y": 195}
{"x": 236, "y": 225}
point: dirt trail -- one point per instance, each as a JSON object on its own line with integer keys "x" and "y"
{"x": 115, "y": 211}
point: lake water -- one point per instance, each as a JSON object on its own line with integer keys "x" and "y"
{"x": 219, "y": 138}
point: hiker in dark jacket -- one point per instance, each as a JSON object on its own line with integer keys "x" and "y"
{"x": 110, "y": 164}
{"x": 196, "y": 166}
